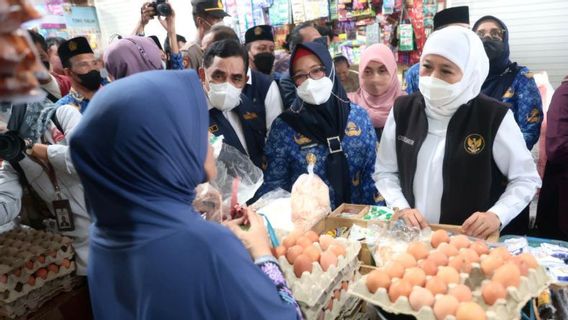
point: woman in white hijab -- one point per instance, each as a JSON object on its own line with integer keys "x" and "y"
{"x": 450, "y": 154}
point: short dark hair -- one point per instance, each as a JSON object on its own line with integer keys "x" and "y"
{"x": 38, "y": 39}
{"x": 341, "y": 59}
{"x": 54, "y": 41}
{"x": 325, "y": 32}
{"x": 225, "y": 49}
{"x": 167, "y": 47}
{"x": 295, "y": 36}
{"x": 222, "y": 32}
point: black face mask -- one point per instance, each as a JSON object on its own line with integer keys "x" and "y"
{"x": 46, "y": 64}
{"x": 264, "y": 62}
{"x": 91, "y": 80}
{"x": 493, "y": 48}
{"x": 322, "y": 40}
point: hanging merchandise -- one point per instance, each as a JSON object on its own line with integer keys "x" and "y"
{"x": 406, "y": 37}
{"x": 279, "y": 13}
{"x": 430, "y": 9}
{"x": 373, "y": 34}
{"x": 315, "y": 9}
{"x": 388, "y": 7}
{"x": 298, "y": 12}
{"x": 258, "y": 10}
{"x": 333, "y": 9}
{"x": 416, "y": 15}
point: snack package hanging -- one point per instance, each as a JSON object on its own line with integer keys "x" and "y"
{"x": 231, "y": 164}
{"x": 310, "y": 200}
{"x": 208, "y": 202}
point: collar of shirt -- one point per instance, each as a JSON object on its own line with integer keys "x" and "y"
{"x": 76, "y": 95}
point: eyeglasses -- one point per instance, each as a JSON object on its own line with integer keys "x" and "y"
{"x": 494, "y": 34}
{"x": 314, "y": 74}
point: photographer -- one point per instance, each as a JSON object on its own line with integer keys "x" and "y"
{"x": 160, "y": 9}
{"x": 36, "y": 157}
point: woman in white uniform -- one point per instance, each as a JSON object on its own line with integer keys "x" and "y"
{"x": 450, "y": 154}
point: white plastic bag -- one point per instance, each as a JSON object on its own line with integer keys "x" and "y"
{"x": 310, "y": 200}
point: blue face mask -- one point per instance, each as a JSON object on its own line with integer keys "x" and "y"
{"x": 322, "y": 40}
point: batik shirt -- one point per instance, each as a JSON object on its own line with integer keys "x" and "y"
{"x": 525, "y": 101}
{"x": 74, "y": 99}
{"x": 289, "y": 152}
{"x": 176, "y": 60}
{"x": 411, "y": 79}
{"x": 271, "y": 268}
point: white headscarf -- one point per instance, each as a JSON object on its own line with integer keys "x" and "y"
{"x": 464, "y": 48}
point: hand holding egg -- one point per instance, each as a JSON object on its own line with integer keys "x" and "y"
{"x": 481, "y": 224}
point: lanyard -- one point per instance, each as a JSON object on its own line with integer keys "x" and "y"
{"x": 51, "y": 175}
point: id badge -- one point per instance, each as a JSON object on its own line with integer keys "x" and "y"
{"x": 63, "y": 215}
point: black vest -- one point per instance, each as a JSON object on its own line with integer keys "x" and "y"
{"x": 258, "y": 89}
{"x": 472, "y": 181}
{"x": 253, "y": 122}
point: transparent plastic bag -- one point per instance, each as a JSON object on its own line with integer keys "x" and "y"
{"x": 208, "y": 202}
{"x": 231, "y": 165}
{"x": 275, "y": 205}
{"x": 310, "y": 200}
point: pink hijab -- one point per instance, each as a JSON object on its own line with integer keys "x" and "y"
{"x": 378, "y": 107}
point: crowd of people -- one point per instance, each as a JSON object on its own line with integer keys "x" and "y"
{"x": 125, "y": 152}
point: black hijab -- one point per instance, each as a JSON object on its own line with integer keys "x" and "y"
{"x": 325, "y": 121}
{"x": 502, "y": 71}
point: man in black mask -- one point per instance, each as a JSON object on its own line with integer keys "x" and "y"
{"x": 260, "y": 46}
{"x": 82, "y": 67}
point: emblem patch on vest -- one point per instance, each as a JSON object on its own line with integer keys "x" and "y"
{"x": 534, "y": 116}
{"x": 311, "y": 158}
{"x": 301, "y": 139}
{"x": 406, "y": 140}
{"x": 250, "y": 116}
{"x": 474, "y": 144}
{"x": 214, "y": 128}
{"x": 352, "y": 130}
{"x": 509, "y": 93}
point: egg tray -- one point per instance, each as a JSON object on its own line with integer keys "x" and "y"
{"x": 23, "y": 288}
{"x": 37, "y": 298}
{"x": 509, "y": 308}
{"x": 321, "y": 311}
{"x": 312, "y": 286}
{"x": 20, "y": 245}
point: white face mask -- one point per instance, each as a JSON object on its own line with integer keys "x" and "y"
{"x": 224, "y": 96}
{"x": 440, "y": 96}
{"x": 315, "y": 92}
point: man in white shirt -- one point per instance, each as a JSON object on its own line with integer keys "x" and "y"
{"x": 231, "y": 113}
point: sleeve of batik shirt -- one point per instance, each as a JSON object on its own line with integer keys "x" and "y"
{"x": 277, "y": 148}
{"x": 177, "y": 61}
{"x": 370, "y": 193}
{"x": 271, "y": 268}
{"x": 527, "y": 107}
{"x": 411, "y": 79}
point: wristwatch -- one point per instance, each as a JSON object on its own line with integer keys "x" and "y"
{"x": 29, "y": 148}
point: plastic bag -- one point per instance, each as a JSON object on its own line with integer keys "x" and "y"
{"x": 231, "y": 165}
{"x": 310, "y": 200}
{"x": 275, "y": 205}
{"x": 208, "y": 201}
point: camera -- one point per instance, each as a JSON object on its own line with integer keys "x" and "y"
{"x": 12, "y": 146}
{"x": 162, "y": 8}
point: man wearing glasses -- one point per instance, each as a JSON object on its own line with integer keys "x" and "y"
{"x": 512, "y": 84}
{"x": 79, "y": 64}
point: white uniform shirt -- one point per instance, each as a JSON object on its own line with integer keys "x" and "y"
{"x": 509, "y": 151}
{"x": 67, "y": 178}
{"x": 272, "y": 102}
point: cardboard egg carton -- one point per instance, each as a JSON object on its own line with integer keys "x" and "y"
{"x": 312, "y": 286}
{"x": 509, "y": 308}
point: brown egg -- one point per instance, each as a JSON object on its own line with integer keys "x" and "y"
{"x": 490, "y": 263}
{"x": 529, "y": 259}
{"x": 508, "y": 275}
{"x": 312, "y": 236}
{"x": 344, "y": 285}
{"x": 493, "y": 291}
{"x": 501, "y": 252}
{"x": 293, "y": 253}
{"x": 302, "y": 264}
{"x": 420, "y": 297}
{"x": 377, "y": 279}
{"x": 471, "y": 254}
{"x": 437, "y": 286}
{"x": 480, "y": 247}
{"x": 289, "y": 241}
{"x": 438, "y": 237}
{"x": 461, "y": 292}
{"x": 429, "y": 267}
{"x": 449, "y": 275}
{"x": 461, "y": 263}
{"x": 445, "y": 306}
{"x": 280, "y": 251}
{"x": 418, "y": 250}
{"x": 328, "y": 259}
{"x": 438, "y": 257}
{"x": 398, "y": 289}
{"x": 470, "y": 311}
{"x": 330, "y": 304}
{"x": 394, "y": 269}
{"x": 448, "y": 249}
{"x": 460, "y": 241}
{"x": 313, "y": 253}
{"x": 406, "y": 260}
{"x": 339, "y": 250}
{"x": 521, "y": 264}
{"x": 415, "y": 276}
{"x": 325, "y": 240}
{"x": 337, "y": 294}
{"x": 304, "y": 242}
